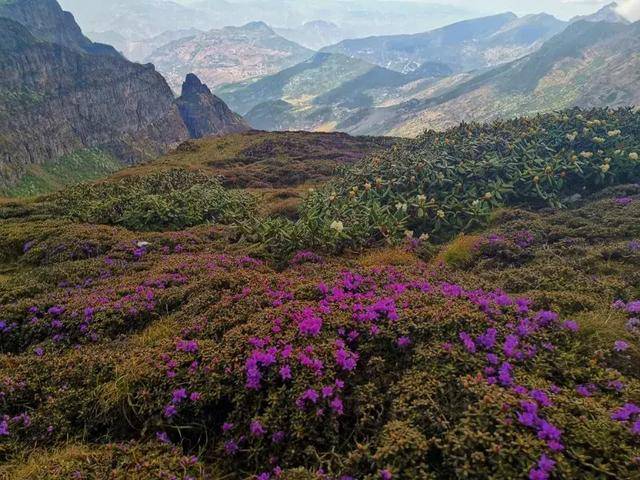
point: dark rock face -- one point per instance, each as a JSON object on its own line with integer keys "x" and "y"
{"x": 205, "y": 114}
{"x": 57, "y": 99}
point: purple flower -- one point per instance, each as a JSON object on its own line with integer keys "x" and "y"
{"x": 505, "y": 374}
{"x": 189, "y": 346}
{"x": 510, "y": 347}
{"x": 285, "y": 373}
{"x": 488, "y": 339}
{"x": 309, "y": 324}
{"x": 633, "y": 307}
{"x": 468, "y": 342}
{"x": 337, "y": 406}
{"x": 178, "y": 396}
{"x": 386, "y": 474}
{"x": 584, "y": 390}
{"x": 624, "y": 201}
{"x": 345, "y": 359}
{"x": 541, "y": 397}
{"x": 195, "y": 396}
{"x": 549, "y": 432}
{"x": 620, "y": 346}
{"x": 634, "y": 246}
{"x": 256, "y": 429}
{"x": 226, "y": 427}
{"x": 309, "y": 395}
{"x": 278, "y": 437}
{"x": 538, "y": 474}
{"x": 162, "y": 437}
{"x": 625, "y": 413}
{"x": 231, "y": 447}
{"x": 635, "y": 428}
{"x": 4, "y": 428}
{"x": 571, "y": 326}
{"x": 403, "y": 342}
{"x": 170, "y": 411}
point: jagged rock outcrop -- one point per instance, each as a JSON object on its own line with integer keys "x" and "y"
{"x": 55, "y": 98}
{"x": 204, "y": 113}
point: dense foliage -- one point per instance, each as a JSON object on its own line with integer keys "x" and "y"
{"x": 449, "y": 182}
{"x": 510, "y": 352}
{"x": 169, "y": 200}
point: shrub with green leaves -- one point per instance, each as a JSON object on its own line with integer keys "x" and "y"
{"x": 169, "y": 200}
{"x": 449, "y": 182}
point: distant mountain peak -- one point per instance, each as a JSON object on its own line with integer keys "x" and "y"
{"x": 608, "y": 13}
{"x": 205, "y": 114}
{"x": 258, "y": 26}
{"x": 193, "y": 86}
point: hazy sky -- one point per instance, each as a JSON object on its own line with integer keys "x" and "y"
{"x": 560, "y": 8}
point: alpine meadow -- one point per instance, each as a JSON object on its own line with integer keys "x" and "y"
{"x": 319, "y": 240}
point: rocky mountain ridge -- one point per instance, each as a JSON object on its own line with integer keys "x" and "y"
{"x": 61, "y": 94}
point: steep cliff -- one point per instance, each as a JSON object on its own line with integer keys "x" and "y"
{"x": 204, "y": 113}
{"x": 46, "y": 20}
{"x": 56, "y": 100}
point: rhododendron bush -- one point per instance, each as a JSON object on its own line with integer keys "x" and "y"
{"x": 383, "y": 335}
{"x": 167, "y": 357}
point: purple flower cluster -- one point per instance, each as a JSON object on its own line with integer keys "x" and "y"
{"x": 630, "y": 415}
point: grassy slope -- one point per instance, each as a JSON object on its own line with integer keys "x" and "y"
{"x": 578, "y": 263}
{"x": 82, "y": 166}
{"x": 117, "y": 352}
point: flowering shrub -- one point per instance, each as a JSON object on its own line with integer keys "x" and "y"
{"x": 445, "y": 183}
{"x": 170, "y": 200}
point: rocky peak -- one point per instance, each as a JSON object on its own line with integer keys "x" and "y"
{"x": 205, "y": 114}
{"x": 193, "y": 86}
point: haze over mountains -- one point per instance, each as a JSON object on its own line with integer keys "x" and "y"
{"x": 111, "y": 110}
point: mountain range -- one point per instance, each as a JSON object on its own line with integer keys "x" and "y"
{"x": 68, "y": 102}
{"x": 498, "y": 66}
{"x": 228, "y": 55}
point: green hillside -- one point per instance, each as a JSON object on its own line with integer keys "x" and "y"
{"x": 462, "y": 305}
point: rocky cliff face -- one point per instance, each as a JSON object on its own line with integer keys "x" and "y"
{"x": 46, "y": 20}
{"x": 204, "y": 113}
{"x": 57, "y": 99}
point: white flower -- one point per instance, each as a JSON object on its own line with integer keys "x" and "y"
{"x": 440, "y": 213}
{"x": 337, "y": 225}
{"x": 401, "y": 207}
{"x": 408, "y": 233}
{"x": 614, "y": 133}
{"x": 586, "y": 154}
{"x": 424, "y": 237}
{"x": 572, "y": 136}
{"x": 605, "y": 167}
{"x": 421, "y": 198}
{"x": 142, "y": 244}
{"x": 633, "y": 156}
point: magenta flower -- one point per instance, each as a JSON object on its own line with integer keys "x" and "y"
{"x": 309, "y": 324}
{"x": 620, "y": 346}
{"x": 231, "y": 447}
{"x": 226, "y": 427}
{"x": 178, "y": 396}
{"x": 170, "y": 411}
{"x": 285, "y": 373}
{"x": 256, "y": 429}
{"x": 386, "y": 474}
{"x": 468, "y": 342}
{"x": 633, "y": 307}
{"x": 403, "y": 342}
